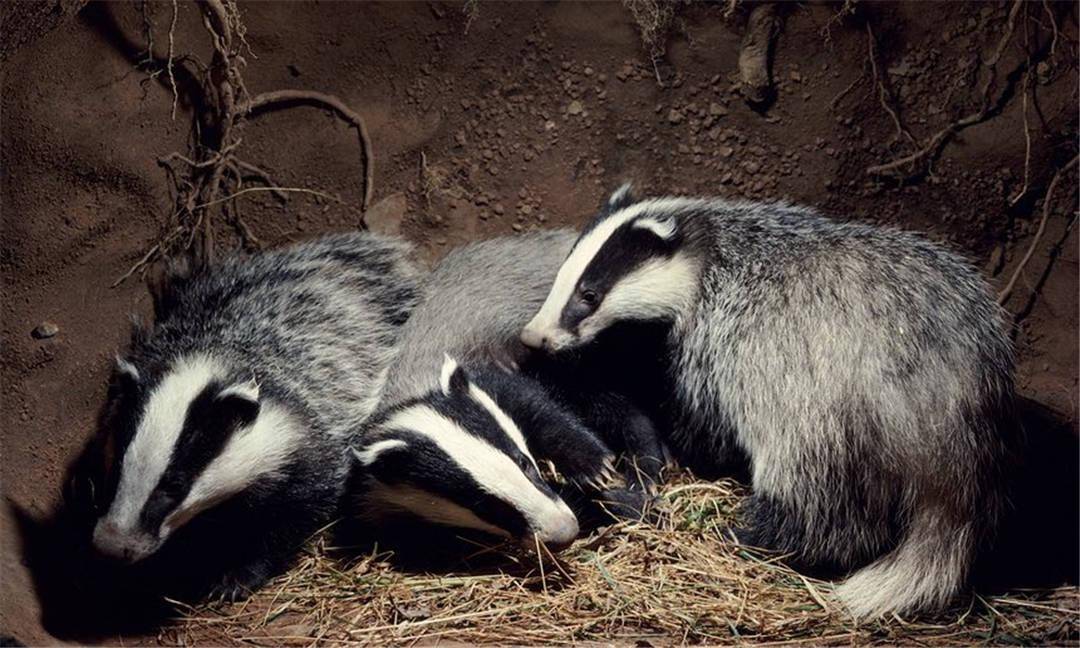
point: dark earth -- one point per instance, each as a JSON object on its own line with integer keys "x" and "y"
{"x": 488, "y": 119}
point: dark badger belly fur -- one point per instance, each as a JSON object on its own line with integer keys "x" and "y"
{"x": 225, "y": 441}
{"x": 864, "y": 372}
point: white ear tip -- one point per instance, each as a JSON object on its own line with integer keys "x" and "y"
{"x": 248, "y": 391}
{"x": 126, "y": 367}
{"x": 620, "y": 193}
{"x": 449, "y": 367}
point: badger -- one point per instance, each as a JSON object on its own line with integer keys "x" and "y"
{"x": 862, "y": 372}
{"x": 467, "y": 429}
{"x": 228, "y": 420}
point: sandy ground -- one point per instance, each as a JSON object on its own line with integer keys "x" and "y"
{"x": 523, "y": 121}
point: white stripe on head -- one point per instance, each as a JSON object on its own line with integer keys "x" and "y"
{"x": 505, "y": 422}
{"x": 370, "y": 453}
{"x": 494, "y": 471}
{"x": 255, "y": 452}
{"x": 586, "y": 249}
{"x": 660, "y": 288}
{"x": 155, "y": 438}
{"x": 430, "y": 507}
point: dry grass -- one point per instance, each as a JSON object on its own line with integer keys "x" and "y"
{"x": 676, "y": 581}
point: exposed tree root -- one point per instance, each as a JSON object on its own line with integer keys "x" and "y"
{"x": 882, "y": 93}
{"x": 918, "y": 162}
{"x": 1047, "y": 207}
{"x": 210, "y": 177}
{"x": 283, "y": 98}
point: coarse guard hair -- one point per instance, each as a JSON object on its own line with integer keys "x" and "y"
{"x": 864, "y": 371}
{"x": 228, "y": 420}
{"x": 464, "y": 426}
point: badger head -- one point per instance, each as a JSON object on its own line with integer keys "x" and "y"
{"x": 184, "y": 437}
{"x": 455, "y": 458}
{"x": 635, "y": 261}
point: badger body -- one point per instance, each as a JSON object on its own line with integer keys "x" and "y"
{"x": 863, "y": 372}
{"x": 229, "y": 419}
{"x": 462, "y": 396}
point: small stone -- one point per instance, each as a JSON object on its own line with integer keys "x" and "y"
{"x": 674, "y": 116}
{"x": 684, "y": 149}
{"x": 498, "y": 209}
{"x": 716, "y": 110}
{"x": 588, "y": 71}
{"x": 45, "y": 330}
{"x": 525, "y": 210}
{"x": 517, "y": 227}
{"x": 624, "y": 73}
{"x": 751, "y": 166}
{"x": 725, "y": 151}
{"x": 575, "y": 108}
{"x": 795, "y": 76}
{"x": 385, "y": 216}
{"x": 549, "y": 125}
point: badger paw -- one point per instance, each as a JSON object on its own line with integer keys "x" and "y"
{"x": 239, "y": 585}
{"x": 601, "y": 476}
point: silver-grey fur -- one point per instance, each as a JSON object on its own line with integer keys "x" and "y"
{"x": 487, "y": 316}
{"x": 864, "y": 371}
{"x": 303, "y": 333}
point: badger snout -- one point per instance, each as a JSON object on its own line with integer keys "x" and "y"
{"x": 121, "y": 544}
{"x": 533, "y": 337}
{"x": 558, "y": 530}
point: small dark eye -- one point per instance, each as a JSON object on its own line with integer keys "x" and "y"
{"x": 524, "y": 463}
{"x": 589, "y": 297}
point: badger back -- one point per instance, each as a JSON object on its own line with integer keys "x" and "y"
{"x": 477, "y": 299}
{"x": 250, "y": 376}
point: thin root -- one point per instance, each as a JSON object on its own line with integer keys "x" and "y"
{"x": 1048, "y": 201}
{"x": 270, "y": 100}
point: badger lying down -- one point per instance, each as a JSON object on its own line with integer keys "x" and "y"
{"x": 229, "y": 419}
{"x": 863, "y": 371}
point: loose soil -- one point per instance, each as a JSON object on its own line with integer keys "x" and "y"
{"x": 517, "y": 117}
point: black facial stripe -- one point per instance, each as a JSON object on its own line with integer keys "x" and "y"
{"x": 627, "y": 249}
{"x": 423, "y": 465}
{"x": 207, "y": 428}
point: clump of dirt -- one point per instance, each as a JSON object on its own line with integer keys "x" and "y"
{"x": 507, "y": 118}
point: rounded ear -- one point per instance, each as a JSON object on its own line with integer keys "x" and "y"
{"x": 663, "y": 227}
{"x": 367, "y": 455}
{"x": 452, "y": 378}
{"x": 125, "y": 378}
{"x": 238, "y": 404}
{"x": 622, "y": 198}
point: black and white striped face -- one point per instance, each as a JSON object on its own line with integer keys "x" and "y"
{"x": 455, "y": 458}
{"x": 631, "y": 263}
{"x": 183, "y": 442}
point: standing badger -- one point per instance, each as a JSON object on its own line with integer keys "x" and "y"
{"x": 863, "y": 372}
{"x": 228, "y": 420}
{"x": 463, "y": 426}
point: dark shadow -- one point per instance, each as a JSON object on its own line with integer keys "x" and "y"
{"x": 82, "y": 597}
{"x": 1039, "y": 540}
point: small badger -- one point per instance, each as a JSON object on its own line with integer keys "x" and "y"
{"x": 228, "y": 421}
{"x": 862, "y": 371}
{"x": 464, "y": 428}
